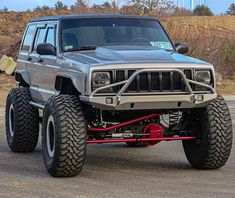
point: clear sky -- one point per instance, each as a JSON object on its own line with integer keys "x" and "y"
{"x": 217, "y": 6}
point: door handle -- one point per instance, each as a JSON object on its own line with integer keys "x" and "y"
{"x": 40, "y": 60}
{"x": 29, "y": 58}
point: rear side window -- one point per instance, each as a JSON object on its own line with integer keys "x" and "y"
{"x": 28, "y": 39}
{"x": 40, "y": 37}
{"x": 51, "y": 36}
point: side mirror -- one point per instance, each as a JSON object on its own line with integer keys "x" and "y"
{"x": 46, "y": 49}
{"x": 182, "y": 47}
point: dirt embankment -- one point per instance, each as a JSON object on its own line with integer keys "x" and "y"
{"x": 12, "y": 26}
{"x": 6, "y": 84}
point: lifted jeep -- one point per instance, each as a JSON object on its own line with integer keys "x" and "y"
{"x": 112, "y": 78}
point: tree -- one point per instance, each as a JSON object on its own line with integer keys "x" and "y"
{"x": 151, "y": 7}
{"x": 79, "y": 4}
{"x": 45, "y": 7}
{"x": 59, "y": 5}
{"x": 202, "y": 10}
{"x": 39, "y": 9}
{"x": 128, "y": 9}
{"x": 182, "y": 12}
{"x": 166, "y": 7}
{"x": 106, "y": 7}
{"x": 231, "y": 9}
{"x": 145, "y": 7}
{"x": 5, "y": 9}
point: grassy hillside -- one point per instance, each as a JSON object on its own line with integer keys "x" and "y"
{"x": 210, "y": 38}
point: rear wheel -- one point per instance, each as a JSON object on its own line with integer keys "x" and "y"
{"x": 64, "y": 136}
{"x": 213, "y": 126}
{"x": 22, "y": 121}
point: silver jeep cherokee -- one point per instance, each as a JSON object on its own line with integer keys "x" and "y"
{"x": 109, "y": 79}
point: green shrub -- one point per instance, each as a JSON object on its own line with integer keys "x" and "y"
{"x": 226, "y": 54}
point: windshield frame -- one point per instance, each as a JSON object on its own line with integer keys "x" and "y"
{"x": 140, "y": 18}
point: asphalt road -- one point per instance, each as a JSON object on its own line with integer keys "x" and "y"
{"x": 116, "y": 171}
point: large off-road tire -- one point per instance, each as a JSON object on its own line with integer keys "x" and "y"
{"x": 64, "y": 135}
{"x": 22, "y": 121}
{"x": 214, "y": 128}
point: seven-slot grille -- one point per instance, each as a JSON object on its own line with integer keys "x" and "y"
{"x": 152, "y": 81}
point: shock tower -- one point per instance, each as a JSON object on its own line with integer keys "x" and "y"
{"x": 152, "y": 133}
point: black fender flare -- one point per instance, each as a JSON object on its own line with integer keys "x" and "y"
{"x": 22, "y": 78}
{"x": 77, "y": 79}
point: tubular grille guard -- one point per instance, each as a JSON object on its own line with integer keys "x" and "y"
{"x": 127, "y": 83}
{"x": 151, "y": 81}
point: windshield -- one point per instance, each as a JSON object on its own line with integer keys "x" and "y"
{"x": 96, "y": 32}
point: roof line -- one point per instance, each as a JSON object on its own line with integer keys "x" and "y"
{"x": 72, "y": 16}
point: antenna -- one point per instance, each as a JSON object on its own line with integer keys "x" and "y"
{"x": 191, "y": 4}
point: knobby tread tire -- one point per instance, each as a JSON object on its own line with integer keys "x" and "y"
{"x": 71, "y": 136}
{"x": 216, "y": 144}
{"x": 26, "y": 119}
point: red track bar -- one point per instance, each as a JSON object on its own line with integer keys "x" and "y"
{"x": 141, "y": 139}
{"x": 123, "y": 124}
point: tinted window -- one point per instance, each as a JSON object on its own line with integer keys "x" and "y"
{"x": 51, "y": 36}
{"x": 28, "y": 39}
{"x": 39, "y": 37}
{"x": 77, "y": 33}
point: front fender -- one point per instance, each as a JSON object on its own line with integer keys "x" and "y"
{"x": 78, "y": 79}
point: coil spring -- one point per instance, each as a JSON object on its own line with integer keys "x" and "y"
{"x": 174, "y": 119}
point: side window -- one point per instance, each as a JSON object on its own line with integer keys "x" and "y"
{"x": 40, "y": 36}
{"x": 51, "y": 36}
{"x": 28, "y": 39}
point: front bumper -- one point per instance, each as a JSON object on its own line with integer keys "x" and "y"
{"x": 161, "y": 100}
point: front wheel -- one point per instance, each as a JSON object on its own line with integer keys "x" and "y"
{"x": 64, "y": 135}
{"x": 213, "y": 125}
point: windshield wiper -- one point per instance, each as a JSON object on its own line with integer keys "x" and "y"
{"x": 85, "y": 47}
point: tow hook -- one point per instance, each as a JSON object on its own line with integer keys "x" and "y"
{"x": 193, "y": 98}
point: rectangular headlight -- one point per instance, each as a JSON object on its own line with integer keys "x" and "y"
{"x": 203, "y": 77}
{"x": 100, "y": 79}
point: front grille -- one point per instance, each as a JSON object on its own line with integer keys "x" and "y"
{"x": 152, "y": 81}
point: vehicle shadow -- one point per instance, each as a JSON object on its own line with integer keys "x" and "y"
{"x": 118, "y": 156}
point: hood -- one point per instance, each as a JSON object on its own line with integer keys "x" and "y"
{"x": 130, "y": 54}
